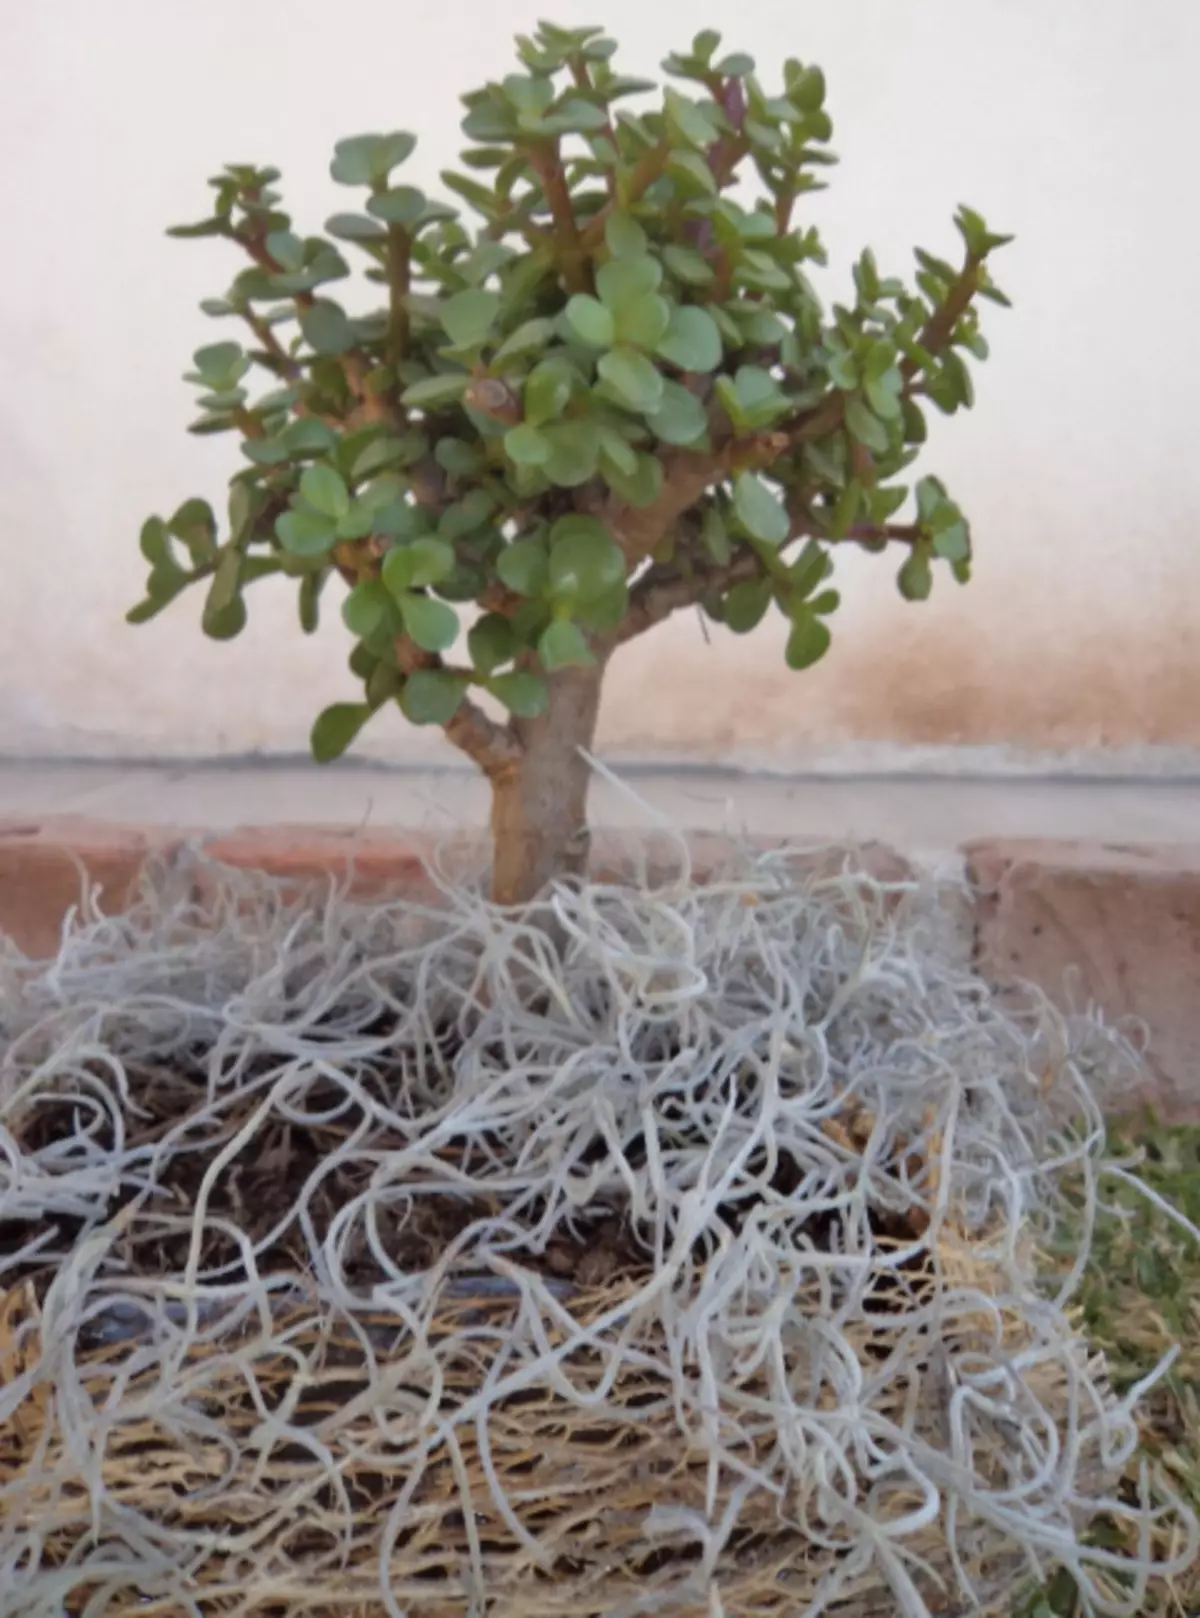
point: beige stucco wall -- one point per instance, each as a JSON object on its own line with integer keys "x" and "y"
{"x": 1073, "y": 122}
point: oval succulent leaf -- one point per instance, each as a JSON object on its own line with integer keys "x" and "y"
{"x": 584, "y": 562}
{"x": 335, "y": 728}
{"x": 691, "y": 341}
{"x": 632, "y": 379}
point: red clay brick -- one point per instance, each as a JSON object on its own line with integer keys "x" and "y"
{"x": 47, "y": 864}
{"x": 1105, "y": 923}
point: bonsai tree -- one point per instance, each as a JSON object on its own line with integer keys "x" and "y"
{"x": 605, "y": 393}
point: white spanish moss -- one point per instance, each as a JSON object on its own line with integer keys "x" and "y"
{"x": 369, "y": 1259}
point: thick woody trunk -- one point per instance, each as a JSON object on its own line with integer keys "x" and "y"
{"x": 539, "y": 801}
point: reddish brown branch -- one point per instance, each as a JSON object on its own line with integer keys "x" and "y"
{"x": 663, "y": 591}
{"x": 582, "y": 75}
{"x": 547, "y": 165}
{"x": 648, "y": 168}
{"x": 492, "y": 747}
{"x": 655, "y": 597}
{"x": 939, "y": 328}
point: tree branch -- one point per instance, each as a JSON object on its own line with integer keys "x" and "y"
{"x": 647, "y": 169}
{"x": 939, "y": 328}
{"x": 640, "y": 530}
{"x": 284, "y": 363}
{"x": 661, "y": 592}
{"x": 582, "y": 74}
{"x": 491, "y": 746}
{"x": 547, "y": 165}
{"x": 655, "y": 597}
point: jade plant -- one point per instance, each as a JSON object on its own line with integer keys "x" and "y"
{"x": 596, "y": 389}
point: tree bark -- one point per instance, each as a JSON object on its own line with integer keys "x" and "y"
{"x": 539, "y": 799}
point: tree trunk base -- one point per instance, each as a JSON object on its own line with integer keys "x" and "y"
{"x": 539, "y": 803}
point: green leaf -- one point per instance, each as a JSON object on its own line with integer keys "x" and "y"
{"x": 562, "y": 645}
{"x": 196, "y": 526}
{"x": 491, "y": 642}
{"x": 226, "y": 582}
{"x": 915, "y": 578}
{"x": 865, "y": 427}
{"x": 716, "y": 536}
{"x": 692, "y": 175}
{"x": 953, "y": 542}
{"x": 746, "y": 604}
{"x": 306, "y": 533}
{"x": 692, "y": 340}
{"x": 758, "y": 510}
{"x": 369, "y": 159}
{"x": 574, "y": 452}
{"x": 459, "y": 458}
{"x": 346, "y": 227}
{"x": 807, "y": 89}
{"x": 466, "y": 515}
{"x": 618, "y": 450}
{"x": 590, "y": 321}
{"x": 325, "y": 491}
{"x": 624, "y": 237}
{"x": 525, "y": 446}
{"x": 434, "y": 391}
{"x": 980, "y": 241}
{"x": 632, "y": 379}
{"x": 883, "y": 393}
{"x": 752, "y": 399}
{"x": 403, "y": 205}
{"x": 547, "y": 391}
{"x": 688, "y": 122}
{"x": 326, "y": 327}
{"x": 584, "y": 561}
{"x": 681, "y": 418}
{"x": 525, "y": 695}
{"x": 305, "y": 436}
{"x": 606, "y": 612}
{"x": 220, "y": 364}
{"x": 431, "y": 697}
{"x": 640, "y": 488}
{"x": 736, "y": 66}
{"x": 915, "y": 430}
{"x": 422, "y": 562}
{"x": 154, "y": 542}
{"x": 687, "y": 265}
{"x": 527, "y": 339}
{"x": 431, "y": 623}
{"x": 643, "y": 321}
{"x": 163, "y": 585}
{"x": 622, "y": 280}
{"x": 226, "y": 624}
{"x": 524, "y": 567}
{"x": 366, "y": 608}
{"x": 931, "y": 498}
{"x": 309, "y": 601}
{"x": 808, "y": 641}
{"x": 335, "y": 728}
{"x": 468, "y": 317}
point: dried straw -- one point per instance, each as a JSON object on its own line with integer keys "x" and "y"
{"x": 384, "y": 1260}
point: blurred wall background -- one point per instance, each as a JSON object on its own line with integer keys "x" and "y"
{"x": 1076, "y": 125}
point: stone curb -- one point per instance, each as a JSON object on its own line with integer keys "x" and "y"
{"x": 1088, "y": 923}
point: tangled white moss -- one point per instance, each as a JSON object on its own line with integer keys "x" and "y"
{"x": 369, "y": 1260}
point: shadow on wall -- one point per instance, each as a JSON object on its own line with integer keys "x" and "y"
{"x": 910, "y": 686}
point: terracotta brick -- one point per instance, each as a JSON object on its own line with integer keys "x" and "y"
{"x": 1105, "y": 923}
{"x": 365, "y": 863}
{"x": 48, "y": 863}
